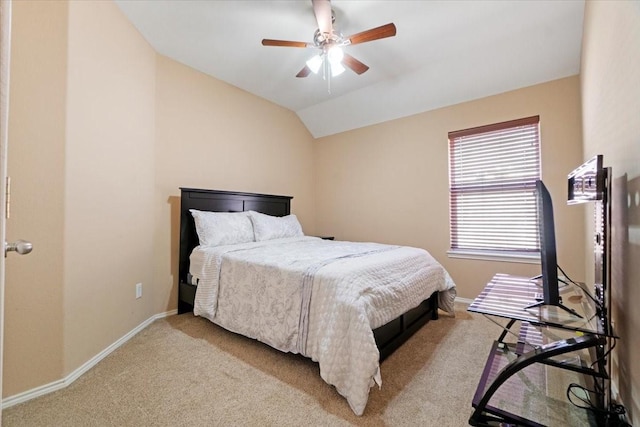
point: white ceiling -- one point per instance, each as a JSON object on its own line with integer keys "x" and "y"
{"x": 444, "y": 53}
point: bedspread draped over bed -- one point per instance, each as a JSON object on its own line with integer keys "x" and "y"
{"x": 318, "y": 298}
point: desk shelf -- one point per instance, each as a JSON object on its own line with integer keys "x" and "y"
{"x": 547, "y": 337}
{"x": 509, "y": 390}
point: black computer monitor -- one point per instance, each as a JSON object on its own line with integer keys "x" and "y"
{"x": 548, "y": 258}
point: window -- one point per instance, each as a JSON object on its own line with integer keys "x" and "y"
{"x": 492, "y": 174}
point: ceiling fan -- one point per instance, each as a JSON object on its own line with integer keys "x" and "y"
{"x": 330, "y": 42}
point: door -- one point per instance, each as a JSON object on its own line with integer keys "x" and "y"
{"x": 5, "y": 38}
{"x": 20, "y": 246}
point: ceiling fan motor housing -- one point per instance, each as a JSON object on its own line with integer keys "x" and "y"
{"x": 320, "y": 39}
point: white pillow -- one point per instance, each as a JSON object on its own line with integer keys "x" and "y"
{"x": 267, "y": 227}
{"x": 222, "y": 228}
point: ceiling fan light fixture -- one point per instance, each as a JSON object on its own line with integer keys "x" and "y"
{"x": 315, "y": 63}
{"x": 336, "y": 69}
{"x": 335, "y": 55}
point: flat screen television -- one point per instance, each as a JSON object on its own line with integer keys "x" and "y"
{"x": 548, "y": 258}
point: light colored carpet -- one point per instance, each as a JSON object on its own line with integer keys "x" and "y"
{"x": 186, "y": 371}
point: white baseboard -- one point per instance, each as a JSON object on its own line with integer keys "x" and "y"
{"x": 464, "y": 300}
{"x": 64, "y": 382}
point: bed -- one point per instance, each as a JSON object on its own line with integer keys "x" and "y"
{"x": 346, "y": 305}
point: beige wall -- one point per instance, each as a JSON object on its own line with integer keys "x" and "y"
{"x": 109, "y": 170}
{"x": 611, "y": 110}
{"x": 33, "y": 340}
{"x": 213, "y": 135}
{"x": 389, "y": 182}
{"x": 103, "y": 131}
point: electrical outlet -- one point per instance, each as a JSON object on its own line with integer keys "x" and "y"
{"x": 138, "y": 290}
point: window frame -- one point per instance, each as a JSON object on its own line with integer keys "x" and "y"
{"x": 455, "y": 140}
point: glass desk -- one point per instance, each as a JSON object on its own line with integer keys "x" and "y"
{"x": 509, "y": 296}
{"x": 546, "y": 335}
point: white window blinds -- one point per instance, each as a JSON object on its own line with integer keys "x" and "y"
{"x": 492, "y": 175}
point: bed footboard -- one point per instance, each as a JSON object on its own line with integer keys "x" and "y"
{"x": 392, "y": 335}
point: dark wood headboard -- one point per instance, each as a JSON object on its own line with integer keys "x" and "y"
{"x": 220, "y": 201}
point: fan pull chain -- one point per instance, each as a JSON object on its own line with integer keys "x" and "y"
{"x": 326, "y": 74}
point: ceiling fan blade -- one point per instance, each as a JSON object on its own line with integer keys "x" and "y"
{"x": 322, "y": 10}
{"x": 351, "y": 62}
{"x": 304, "y": 72}
{"x": 284, "y": 43}
{"x": 381, "y": 32}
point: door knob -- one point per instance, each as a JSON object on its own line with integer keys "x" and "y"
{"x": 21, "y": 246}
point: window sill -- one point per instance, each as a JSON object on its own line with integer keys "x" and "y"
{"x": 521, "y": 257}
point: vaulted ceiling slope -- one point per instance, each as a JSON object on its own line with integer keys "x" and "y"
{"x": 444, "y": 53}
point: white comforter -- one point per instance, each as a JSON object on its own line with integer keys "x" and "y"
{"x": 319, "y": 298}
